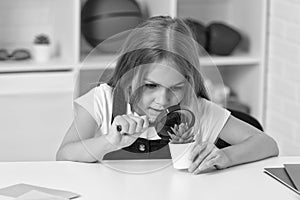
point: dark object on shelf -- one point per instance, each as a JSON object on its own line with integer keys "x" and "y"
{"x": 222, "y": 39}
{"x": 41, "y": 39}
{"x": 101, "y": 19}
{"x": 198, "y": 30}
{"x": 18, "y": 54}
{"x": 234, "y": 103}
{"x": 244, "y": 117}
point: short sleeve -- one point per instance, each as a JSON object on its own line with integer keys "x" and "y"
{"x": 97, "y": 102}
{"x": 212, "y": 120}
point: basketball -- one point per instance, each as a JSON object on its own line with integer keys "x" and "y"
{"x": 101, "y": 19}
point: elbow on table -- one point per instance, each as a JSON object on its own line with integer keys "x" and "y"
{"x": 273, "y": 146}
{"x": 276, "y": 148}
{"x": 62, "y": 154}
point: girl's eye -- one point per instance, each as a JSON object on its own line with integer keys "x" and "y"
{"x": 176, "y": 88}
{"x": 150, "y": 85}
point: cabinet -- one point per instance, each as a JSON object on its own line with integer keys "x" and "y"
{"x": 243, "y": 71}
{"x": 36, "y": 111}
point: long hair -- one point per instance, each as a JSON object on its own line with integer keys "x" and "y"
{"x": 159, "y": 38}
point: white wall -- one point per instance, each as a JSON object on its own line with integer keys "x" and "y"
{"x": 283, "y": 96}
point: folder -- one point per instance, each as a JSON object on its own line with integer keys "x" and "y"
{"x": 293, "y": 171}
{"x": 20, "y": 189}
{"x": 281, "y": 175}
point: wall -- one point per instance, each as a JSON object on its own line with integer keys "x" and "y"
{"x": 283, "y": 96}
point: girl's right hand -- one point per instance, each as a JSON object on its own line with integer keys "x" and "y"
{"x": 132, "y": 128}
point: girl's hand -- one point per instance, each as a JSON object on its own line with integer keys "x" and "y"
{"x": 207, "y": 157}
{"x": 132, "y": 128}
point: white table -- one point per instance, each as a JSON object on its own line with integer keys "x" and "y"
{"x": 98, "y": 181}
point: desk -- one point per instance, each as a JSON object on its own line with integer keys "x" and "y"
{"x": 98, "y": 181}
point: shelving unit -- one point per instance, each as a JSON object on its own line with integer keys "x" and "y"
{"x": 51, "y": 101}
{"x": 243, "y": 71}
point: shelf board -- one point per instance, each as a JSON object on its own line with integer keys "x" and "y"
{"x": 235, "y": 60}
{"x": 108, "y": 61}
{"x": 33, "y": 66}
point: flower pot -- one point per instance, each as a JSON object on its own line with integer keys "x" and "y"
{"x": 41, "y": 52}
{"x": 180, "y": 154}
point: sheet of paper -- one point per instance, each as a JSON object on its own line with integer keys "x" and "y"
{"x": 280, "y": 174}
{"x": 20, "y": 189}
{"x": 6, "y": 198}
{"x": 293, "y": 171}
{"x": 36, "y": 195}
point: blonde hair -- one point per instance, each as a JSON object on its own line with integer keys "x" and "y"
{"x": 157, "y": 39}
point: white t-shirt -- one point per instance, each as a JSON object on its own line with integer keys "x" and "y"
{"x": 98, "y": 102}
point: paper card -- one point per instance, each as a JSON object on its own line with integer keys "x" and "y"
{"x": 20, "y": 189}
{"x": 293, "y": 171}
{"x": 280, "y": 174}
{"x": 36, "y": 195}
{"x": 6, "y": 198}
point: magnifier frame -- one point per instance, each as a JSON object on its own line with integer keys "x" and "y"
{"x": 160, "y": 123}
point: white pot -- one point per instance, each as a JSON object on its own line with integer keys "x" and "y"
{"x": 180, "y": 154}
{"x": 41, "y": 52}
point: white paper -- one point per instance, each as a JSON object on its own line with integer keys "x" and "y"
{"x": 21, "y": 188}
{"x": 6, "y": 198}
{"x": 37, "y": 195}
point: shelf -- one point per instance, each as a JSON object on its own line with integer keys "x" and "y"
{"x": 108, "y": 61}
{"x": 235, "y": 60}
{"x": 244, "y": 72}
{"x": 32, "y": 66}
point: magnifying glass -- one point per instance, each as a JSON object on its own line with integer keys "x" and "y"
{"x": 167, "y": 119}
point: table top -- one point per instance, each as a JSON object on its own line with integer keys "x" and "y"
{"x": 149, "y": 179}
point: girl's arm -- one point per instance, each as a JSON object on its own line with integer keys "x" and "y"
{"x": 248, "y": 144}
{"x": 79, "y": 143}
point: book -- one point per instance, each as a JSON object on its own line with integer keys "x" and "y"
{"x": 293, "y": 170}
{"x": 281, "y": 175}
{"x": 20, "y": 189}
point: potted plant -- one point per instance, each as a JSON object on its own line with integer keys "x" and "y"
{"x": 180, "y": 146}
{"x": 42, "y": 50}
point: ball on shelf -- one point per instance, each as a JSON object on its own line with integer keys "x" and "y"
{"x": 101, "y": 19}
{"x": 222, "y": 39}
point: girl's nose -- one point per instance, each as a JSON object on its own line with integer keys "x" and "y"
{"x": 163, "y": 96}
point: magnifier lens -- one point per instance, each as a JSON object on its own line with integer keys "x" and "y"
{"x": 171, "y": 116}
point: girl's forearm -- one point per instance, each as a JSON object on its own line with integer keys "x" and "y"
{"x": 254, "y": 148}
{"x": 89, "y": 150}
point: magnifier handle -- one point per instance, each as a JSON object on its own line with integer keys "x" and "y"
{"x": 119, "y": 128}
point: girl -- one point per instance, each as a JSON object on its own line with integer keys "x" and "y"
{"x": 158, "y": 69}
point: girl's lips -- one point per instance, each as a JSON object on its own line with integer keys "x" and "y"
{"x": 153, "y": 113}
{"x": 159, "y": 110}
{"x": 156, "y": 110}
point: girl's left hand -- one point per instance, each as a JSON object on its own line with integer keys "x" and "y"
{"x": 207, "y": 157}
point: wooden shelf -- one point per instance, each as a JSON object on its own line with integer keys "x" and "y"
{"x": 32, "y": 66}
{"x": 94, "y": 62}
{"x": 240, "y": 60}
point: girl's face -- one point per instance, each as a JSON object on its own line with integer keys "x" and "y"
{"x": 164, "y": 86}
